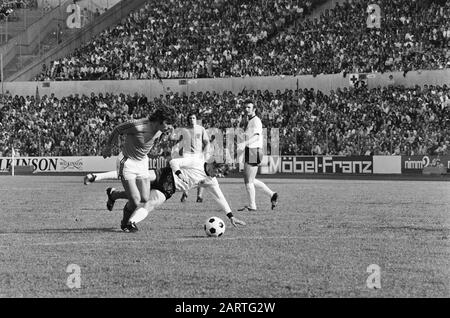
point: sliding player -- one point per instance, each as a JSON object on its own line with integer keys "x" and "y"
{"x": 182, "y": 175}
{"x": 132, "y": 162}
{"x": 253, "y": 145}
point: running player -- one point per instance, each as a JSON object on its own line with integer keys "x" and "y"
{"x": 132, "y": 162}
{"x": 162, "y": 142}
{"x": 253, "y": 154}
{"x": 182, "y": 175}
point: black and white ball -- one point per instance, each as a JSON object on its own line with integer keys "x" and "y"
{"x": 214, "y": 226}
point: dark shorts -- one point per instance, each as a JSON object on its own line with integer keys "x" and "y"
{"x": 253, "y": 156}
{"x": 164, "y": 182}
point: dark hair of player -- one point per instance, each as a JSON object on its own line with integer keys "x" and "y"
{"x": 249, "y": 101}
{"x": 222, "y": 167}
{"x": 164, "y": 113}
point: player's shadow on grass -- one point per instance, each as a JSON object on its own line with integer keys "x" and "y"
{"x": 67, "y": 231}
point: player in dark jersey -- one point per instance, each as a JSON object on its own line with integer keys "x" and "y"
{"x": 132, "y": 162}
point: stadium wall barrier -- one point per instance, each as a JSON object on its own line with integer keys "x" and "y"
{"x": 416, "y": 164}
{"x": 434, "y": 170}
{"x": 352, "y": 164}
{"x": 387, "y": 164}
{"x": 70, "y": 164}
{"x": 331, "y": 164}
{"x": 154, "y": 88}
{"x": 270, "y": 164}
{"x": 60, "y": 164}
{"x": 317, "y": 164}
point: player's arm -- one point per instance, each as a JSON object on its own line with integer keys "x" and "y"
{"x": 178, "y": 164}
{"x": 175, "y": 135}
{"x": 218, "y": 196}
{"x": 206, "y": 145}
{"x": 188, "y": 162}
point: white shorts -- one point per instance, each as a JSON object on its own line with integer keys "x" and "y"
{"x": 131, "y": 169}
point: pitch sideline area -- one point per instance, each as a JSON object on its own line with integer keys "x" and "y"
{"x": 319, "y": 241}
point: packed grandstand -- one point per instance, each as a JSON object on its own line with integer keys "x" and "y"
{"x": 201, "y": 38}
{"x": 236, "y": 38}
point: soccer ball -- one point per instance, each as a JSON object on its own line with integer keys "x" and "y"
{"x": 214, "y": 226}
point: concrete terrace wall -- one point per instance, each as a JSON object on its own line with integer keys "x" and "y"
{"x": 153, "y": 88}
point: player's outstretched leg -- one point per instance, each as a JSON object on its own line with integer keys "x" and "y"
{"x": 93, "y": 177}
{"x": 89, "y": 178}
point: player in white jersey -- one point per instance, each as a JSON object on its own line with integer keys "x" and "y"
{"x": 194, "y": 143}
{"x": 182, "y": 175}
{"x": 253, "y": 153}
{"x": 132, "y": 162}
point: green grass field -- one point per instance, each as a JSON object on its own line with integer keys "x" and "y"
{"x": 318, "y": 242}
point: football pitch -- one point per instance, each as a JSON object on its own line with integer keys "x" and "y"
{"x": 318, "y": 242}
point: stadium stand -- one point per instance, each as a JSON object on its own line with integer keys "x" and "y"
{"x": 203, "y": 39}
{"x": 379, "y": 121}
{"x": 199, "y": 38}
{"x": 8, "y": 7}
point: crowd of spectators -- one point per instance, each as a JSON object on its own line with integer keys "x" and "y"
{"x": 378, "y": 121}
{"x": 66, "y": 126}
{"x": 7, "y": 7}
{"x": 174, "y": 39}
{"x": 222, "y": 38}
{"x": 411, "y": 37}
